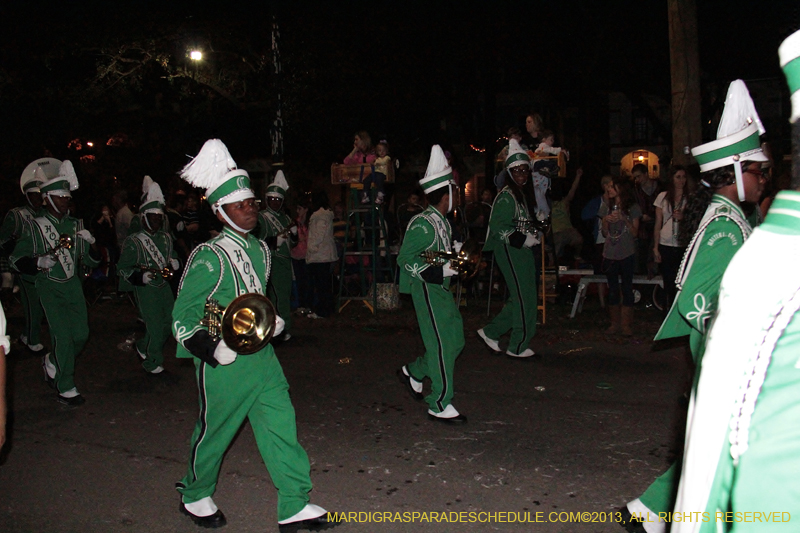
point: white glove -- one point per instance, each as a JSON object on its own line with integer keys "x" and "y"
{"x": 530, "y": 240}
{"x": 86, "y": 236}
{"x": 223, "y": 354}
{"x": 280, "y": 324}
{"x": 174, "y": 264}
{"x": 448, "y": 272}
{"x": 280, "y": 241}
{"x": 293, "y": 231}
{"x": 46, "y": 262}
{"x": 457, "y": 246}
{"x": 180, "y": 226}
{"x": 147, "y": 277}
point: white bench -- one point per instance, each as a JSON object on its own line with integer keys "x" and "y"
{"x": 586, "y": 280}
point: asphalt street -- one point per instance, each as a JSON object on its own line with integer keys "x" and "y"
{"x": 582, "y": 428}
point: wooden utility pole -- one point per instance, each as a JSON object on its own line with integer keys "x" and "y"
{"x": 685, "y": 71}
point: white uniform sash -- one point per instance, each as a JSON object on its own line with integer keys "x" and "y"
{"x": 441, "y": 225}
{"x": 50, "y": 237}
{"x": 151, "y": 249}
{"x": 238, "y": 257}
{"x": 273, "y": 220}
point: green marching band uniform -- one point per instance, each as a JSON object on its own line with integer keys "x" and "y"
{"x": 235, "y": 387}
{"x": 145, "y": 255}
{"x": 742, "y": 432}
{"x": 58, "y": 284}
{"x": 272, "y": 228}
{"x": 437, "y": 314}
{"x": 721, "y": 233}
{"x": 12, "y": 229}
{"x": 511, "y": 246}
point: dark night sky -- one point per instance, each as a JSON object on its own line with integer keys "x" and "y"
{"x": 391, "y": 67}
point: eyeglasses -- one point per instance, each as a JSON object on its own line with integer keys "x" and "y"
{"x": 524, "y": 169}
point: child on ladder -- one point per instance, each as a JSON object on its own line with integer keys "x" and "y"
{"x": 380, "y": 169}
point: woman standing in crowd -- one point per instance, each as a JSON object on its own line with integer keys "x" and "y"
{"x": 667, "y": 250}
{"x": 320, "y": 256}
{"x": 620, "y": 223}
{"x": 298, "y": 254}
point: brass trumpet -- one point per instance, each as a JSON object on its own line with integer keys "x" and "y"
{"x": 64, "y": 241}
{"x": 532, "y": 225}
{"x": 246, "y": 324}
{"x": 467, "y": 262}
{"x": 165, "y": 273}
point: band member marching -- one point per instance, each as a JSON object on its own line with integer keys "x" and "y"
{"x": 33, "y": 175}
{"x": 429, "y": 285}
{"x": 147, "y": 261}
{"x": 57, "y": 244}
{"x": 275, "y": 227}
{"x": 234, "y": 387}
{"x": 715, "y": 228}
{"x": 511, "y": 236}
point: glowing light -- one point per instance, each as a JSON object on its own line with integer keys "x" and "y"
{"x": 90, "y": 144}
{"x": 196, "y": 55}
{"x": 641, "y": 158}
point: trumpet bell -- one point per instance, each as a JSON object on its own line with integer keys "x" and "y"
{"x": 248, "y": 323}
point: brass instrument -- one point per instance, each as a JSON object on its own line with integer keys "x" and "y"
{"x": 246, "y": 324}
{"x": 467, "y": 262}
{"x": 64, "y": 241}
{"x": 532, "y": 225}
{"x": 285, "y": 231}
{"x": 165, "y": 273}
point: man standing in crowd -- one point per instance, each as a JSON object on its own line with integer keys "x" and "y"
{"x": 276, "y": 228}
{"x": 13, "y": 225}
{"x": 646, "y": 189}
{"x": 57, "y": 244}
{"x": 148, "y": 258}
{"x": 234, "y": 388}
{"x": 429, "y": 285}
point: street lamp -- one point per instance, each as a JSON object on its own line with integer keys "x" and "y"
{"x": 196, "y": 55}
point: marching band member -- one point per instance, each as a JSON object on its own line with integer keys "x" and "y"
{"x": 235, "y": 387}
{"x": 145, "y": 256}
{"x": 57, "y": 282}
{"x": 731, "y": 173}
{"x": 13, "y": 224}
{"x": 511, "y": 237}
{"x": 275, "y": 227}
{"x": 438, "y": 317}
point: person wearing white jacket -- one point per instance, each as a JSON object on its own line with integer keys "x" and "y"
{"x": 320, "y": 256}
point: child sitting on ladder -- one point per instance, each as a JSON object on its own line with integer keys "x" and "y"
{"x": 380, "y": 171}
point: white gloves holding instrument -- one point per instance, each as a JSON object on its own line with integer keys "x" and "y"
{"x": 280, "y": 241}
{"x": 86, "y": 236}
{"x": 530, "y": 240}
{"x": 174, "y": 264}
{"x": 448, "y": 271}
{"x": 223, "y": 354}
{"x": 280, "y": 324}
{"x": 147, "y": 277}
{"x": 46, "y": 262}
{"x": 457, "y": 246}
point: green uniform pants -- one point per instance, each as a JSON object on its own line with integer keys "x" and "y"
{"x": 443, "y": 335}
{"x": 252, "y": 387}
{"x": 660, "y": 495}
{"x": 32, "y": 307}
{"x": 519, "y": 313}
{"x": 65, "y": 310}
{"x": 279, "y": 290}
{"x": 155, "y": 306}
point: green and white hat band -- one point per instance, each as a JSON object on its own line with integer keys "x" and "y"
{"x": 789, "y": 55}
{"x": 31, "y": 186}
{"x": 235, "y": 187}
{"x": 152, "y": 207}
{"x": 275, "y": 191}
{"x": 741, "y": 146}
{"x": 516, "y": 155}
{"x": 56, "y": 187}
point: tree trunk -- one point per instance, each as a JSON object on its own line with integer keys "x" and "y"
{"x": 685, "y": 71}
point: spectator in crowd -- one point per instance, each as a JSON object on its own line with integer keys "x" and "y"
{"x": 620, "y": 225}
{"x": 320, "y": 256}
{"x": 533, "y": 128}
{"x": 122, "y": 214}
{"x": 362, "y": 151}
{"x": 380, "y": 169}
{"x": 298, "y": 254}
{"x": 667, "y": 250}
{"x": 590, "y": 214}
{"x": 340, "y": 227}
{"x": 478, "y": 215}
{"x": 408, "y": 210}
{"x": 547, "y": 146}
{"x": 566, "y": 239}
{"x": 646, "y": 189}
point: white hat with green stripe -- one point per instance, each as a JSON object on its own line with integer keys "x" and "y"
{"x": 214, "y": 170}
{"x": 737, "y": 136}
{"x": 516, "y": 155}
{"x": 438, "y": 173}
{"x": 789, "y": 55}
{"x": 154, "y": 201}
{"x": 63, "y": 183}
{"x": 278, "y": 187}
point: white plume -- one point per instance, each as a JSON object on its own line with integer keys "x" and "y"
{"x": 280, "y": 181}
{"x": 739, "y": 111}
{"x": 67, "y": 171}
{"x": 209, "y": 166}
{"x": 148, "y": 181}
{"x": 154, "y": 193}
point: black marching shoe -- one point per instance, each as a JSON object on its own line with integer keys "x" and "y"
{"x": 211, "y": 521}
{"x": 75, "y": 401}
{"x": 629, "y": 522}
{"x": 405, "y": 379}
{"x": 311, "y": 518}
